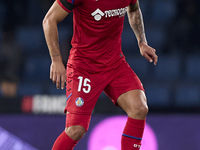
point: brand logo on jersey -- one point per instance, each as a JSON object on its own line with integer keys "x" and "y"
{"x": 79, "y": 102}
{"x": 98, "y": 14}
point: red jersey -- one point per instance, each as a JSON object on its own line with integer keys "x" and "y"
{"x": 97, "y": 25}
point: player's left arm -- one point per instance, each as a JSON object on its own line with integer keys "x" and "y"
{"x": 136, "y": 22}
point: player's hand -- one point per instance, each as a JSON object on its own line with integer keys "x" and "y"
{"x": 148, "y": 52}
{"x": 58, "y": 74}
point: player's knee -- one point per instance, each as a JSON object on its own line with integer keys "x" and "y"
{"x": 138, "y": 111}
{"x": 142, "y": 110}
{"x": 75, "y": 132}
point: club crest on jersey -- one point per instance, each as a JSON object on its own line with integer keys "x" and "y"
{"x": 79, "y": 102}
{"x": 98, "y": 14}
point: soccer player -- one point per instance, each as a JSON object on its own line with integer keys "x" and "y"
{"x": 96, "y": 63}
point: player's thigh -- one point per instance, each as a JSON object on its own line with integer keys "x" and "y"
{"x": 134, "y": 103}
{"x": 82, "y": 91}
{"x": 73, "y": 119}
{"x": 124, "y": 81}
{"x": 126, "y": 91}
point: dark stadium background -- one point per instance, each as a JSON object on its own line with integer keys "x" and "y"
{"x": 33, "y": 118}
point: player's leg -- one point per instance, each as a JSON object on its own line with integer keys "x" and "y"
{"x": 126, "y": 91}
{"x": 64, "y": 142}
{"x": 76, "y": 127}
{"x": 134, "y": 104}
{"x": 82, "y": 92}
{"x": 75, "y": 132}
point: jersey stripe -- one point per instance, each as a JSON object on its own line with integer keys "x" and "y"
{"x": 69, "y": 96}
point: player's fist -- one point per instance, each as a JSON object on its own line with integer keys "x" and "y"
{"x": 58, "y": 74}
{"x": 148, "y": 52}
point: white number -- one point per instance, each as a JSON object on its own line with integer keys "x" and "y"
{"x": 85, "y": 84}
{"x": 80, "y": 83}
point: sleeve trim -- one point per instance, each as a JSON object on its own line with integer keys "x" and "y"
{"x": 63, "y": 6}
{"x": 72, "y": 1}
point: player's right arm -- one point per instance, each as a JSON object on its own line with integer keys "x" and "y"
{"x": 55, "y": 15}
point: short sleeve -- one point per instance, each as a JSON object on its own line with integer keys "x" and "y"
{"x": 133, "y": 2}
{"x": 67, "y": 5}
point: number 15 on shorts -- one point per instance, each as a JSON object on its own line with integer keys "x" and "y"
{"x": 84, "y": 84}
